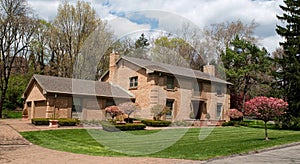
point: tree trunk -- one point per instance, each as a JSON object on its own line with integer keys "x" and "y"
{"x": 266, "y": 131}
{"x": 1, "y": 106}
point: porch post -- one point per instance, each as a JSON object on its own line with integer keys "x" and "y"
{"x": 32, "y": 109}
{"x": 48, "y": 110}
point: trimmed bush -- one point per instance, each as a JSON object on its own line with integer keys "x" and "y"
{"x": 130, "y": 120}
{"x": 61, "y": 121}
{"x": 156, "y": 123}
{"x": 122, "y": 127}
{"x": 234, "y": 123}
{"x": 182, "y": 123}
{"x": 68, "y": 122}
{"x": 40, "y": 121}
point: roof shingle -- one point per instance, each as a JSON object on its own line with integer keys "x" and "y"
{"x": 53, "y": 84}
{"x": 152, "y": 66}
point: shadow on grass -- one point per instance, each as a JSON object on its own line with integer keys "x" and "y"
{"x": 262, "y": 139}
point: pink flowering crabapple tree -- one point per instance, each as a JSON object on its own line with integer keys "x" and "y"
{"x": 265, "y": 109}
{"x": 234, "y": 114}
{"x": 114, "y": 111}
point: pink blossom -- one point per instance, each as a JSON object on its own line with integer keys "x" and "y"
{"x": 113, "y": 111}
{"x": 265, "y": 108}
{"x": 234, "y": 114}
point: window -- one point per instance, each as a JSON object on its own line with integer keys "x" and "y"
{"x": 219, "y": 110}
{"x": 169, "y": 103}
{"x": 197, "y": 89}
{"x": 219, "y": 90}
{"x": 170, "y": 82}
{"x": 77, "y": 105}
{"x": 29, "y": 104}
{"x": 110, "y": 102}
{"x": 133, "y": 82}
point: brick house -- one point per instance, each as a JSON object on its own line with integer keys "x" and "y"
{"x": 70, "y": 98}
{"x": 187, "y": 92}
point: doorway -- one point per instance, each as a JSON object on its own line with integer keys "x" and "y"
{"x": 198, "y": 109}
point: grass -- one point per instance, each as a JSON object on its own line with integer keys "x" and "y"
{"x": 12, "y": 114}
{"x": 222, "y": 141}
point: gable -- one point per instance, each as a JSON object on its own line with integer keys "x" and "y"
{"x": 35, "y": 93}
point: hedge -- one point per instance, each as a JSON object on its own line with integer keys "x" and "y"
{"x": 40, "y": 121}
{"x": 61, "y": 121}
{"x": 68, "y": 122}
{"x": 234, "y": 123}
{"x": 130, "y": 120}
{"x": 156, "y": 123}
{"x": 122, "y": 127}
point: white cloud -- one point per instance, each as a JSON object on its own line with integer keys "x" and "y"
{"x": 271, "y": 42}
{"x": 201, "y": 13}
{"x": 123, "y": 27}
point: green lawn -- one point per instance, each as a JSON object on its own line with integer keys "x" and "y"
{"x": 12, "y": 114}
{"x": 221, "y": 141}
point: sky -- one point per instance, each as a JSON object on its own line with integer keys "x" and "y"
{"x": 133, "y": 16}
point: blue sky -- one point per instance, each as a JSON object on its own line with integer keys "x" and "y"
{"x": 137, "y": 15}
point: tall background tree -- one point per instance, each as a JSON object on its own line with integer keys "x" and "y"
{"x": 17, "y": 26}
{"x": 288, "y": 75}
{"x": 247, "y": 67}
{"x": 70, "y": 28}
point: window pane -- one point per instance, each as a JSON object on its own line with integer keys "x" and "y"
{"x": 219, "y": 110}
{"x": 219, "y": 90}
{"x": 169, "y": 104}
{"x": 133, "y": 82}
{"x": 170, "y": 82}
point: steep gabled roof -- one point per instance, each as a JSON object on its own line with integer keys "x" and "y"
{"x": 152, "y": 67}
{"x": 51, "y": 84}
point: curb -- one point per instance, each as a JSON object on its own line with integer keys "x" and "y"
{"x": 255, "y": 151}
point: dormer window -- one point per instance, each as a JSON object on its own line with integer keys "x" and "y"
{"x": 170, "y": 82}
{"x": 219, "y": 90}
{"x": 133, "y": 82}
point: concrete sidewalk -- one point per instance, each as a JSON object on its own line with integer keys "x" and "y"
{"x": 286, "y": 154}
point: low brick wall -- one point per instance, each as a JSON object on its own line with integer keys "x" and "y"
{"x": 93, "y": 114}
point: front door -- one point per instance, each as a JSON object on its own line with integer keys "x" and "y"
{"x": 198, "y": 109}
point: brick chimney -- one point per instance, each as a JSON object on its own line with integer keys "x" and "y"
{"x": 209, "y": 69}
{"x": 113, "y": 58}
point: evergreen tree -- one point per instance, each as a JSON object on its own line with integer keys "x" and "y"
{"x": 289, "y": 75}
{"x": 247, "y": 68}
{"x": 140, "y": 49}
{"x": 142, "y": 42}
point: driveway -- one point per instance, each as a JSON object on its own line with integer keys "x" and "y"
{"x": 15, "y": 149}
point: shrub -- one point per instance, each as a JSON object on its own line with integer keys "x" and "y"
{"x": 40, "y": 121}
{"x": 207, "y": 116}
{"x": 128, "y": 108}
{"x": 68, "y": 122}
{"x": 292, "y": 123}
{"x": 114, "y": 111}
{"x": 90, "y": 122}
{"x": 182, "y": 123}
{"x": 159, "y": 110}
{"x": 234, "y": 114}
{"x": 122, "y": 127}
{"x": 234, "y": 123}
{"x": 129, "y": 120}
{"x": 61, "y": 121}
{"x": 156, "y": 123}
